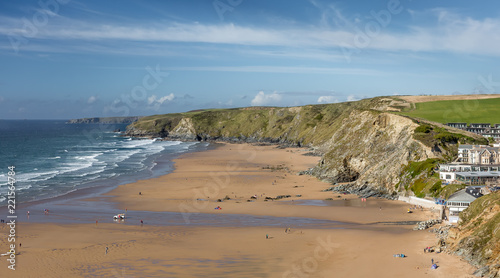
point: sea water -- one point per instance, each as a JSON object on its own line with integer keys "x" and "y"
{"x": 52, "y": 158}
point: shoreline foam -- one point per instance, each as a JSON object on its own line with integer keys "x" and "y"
{"x": 193, "y": 251}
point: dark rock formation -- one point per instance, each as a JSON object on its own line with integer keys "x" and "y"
{"x": 426, "y": 224}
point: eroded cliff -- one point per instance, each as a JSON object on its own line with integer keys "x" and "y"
{"x": 477, "y": 237}
{"x": 359, "y": 142}
{"x": 370, "y": 148}
{"x": 373, "y": 151}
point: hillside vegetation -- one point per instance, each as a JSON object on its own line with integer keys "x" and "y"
{"x": 360, "y": 142}
{"x": 366, "y": 144}
{"x": 452, "y": 111}
{"x": 477, "y": 237}
{"x": 306, "y": 125}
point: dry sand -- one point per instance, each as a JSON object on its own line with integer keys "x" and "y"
{"x": 364, "y": 248}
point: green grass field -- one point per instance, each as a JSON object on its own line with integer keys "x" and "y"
{"x": 461, "y": 111}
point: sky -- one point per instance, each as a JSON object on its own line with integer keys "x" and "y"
{"x": 63, "y": 59}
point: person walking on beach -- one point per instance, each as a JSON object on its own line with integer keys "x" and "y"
{"x": 106, "y": 250}
{"x": 432, "y": 261}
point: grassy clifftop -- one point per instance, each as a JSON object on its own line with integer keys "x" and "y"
{"x": 364, "y": 143}
{"x": 305, "y": 125}
{"x": 451, "y": 111}
{"x": 360, "y": 141}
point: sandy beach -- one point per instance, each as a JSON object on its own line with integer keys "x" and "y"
{"x": 354, "y": 239}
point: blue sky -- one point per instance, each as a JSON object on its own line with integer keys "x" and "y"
{"x": 64, "y": 59}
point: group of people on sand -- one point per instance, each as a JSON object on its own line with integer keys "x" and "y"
{"x": 410, "y": 209}
{"x": 433, "y": 265}
{"x": 430, "y": 250}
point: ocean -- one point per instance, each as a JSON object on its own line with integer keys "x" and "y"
{"x": 52, "y": 158}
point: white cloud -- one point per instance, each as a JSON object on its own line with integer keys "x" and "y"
{"x": 327, "y": 99}
{"x": 262, "y": 99}
{"x": 228, "y": 103}
{"x": 153, "y": 99}
{"x": 448, "y": 31}
{"x": 352, "y": 98}
{"x": 92, "y": 99}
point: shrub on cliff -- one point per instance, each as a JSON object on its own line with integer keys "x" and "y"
{"x": 423, "y": 129}
{"x": 447, "y": 137}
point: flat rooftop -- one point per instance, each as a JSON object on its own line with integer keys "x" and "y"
{"x": 478, "y": 174}
{"x": 469, "y": 165}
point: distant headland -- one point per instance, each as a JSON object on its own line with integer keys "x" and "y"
{"x": 105, "y": 120}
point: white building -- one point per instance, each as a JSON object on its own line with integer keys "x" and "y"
{"x": 478, "y": 154}
{"x": 461, "y": 200}
{"x": 472, "y": 174}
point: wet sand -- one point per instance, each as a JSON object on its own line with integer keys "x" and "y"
{"x": 184, "y": 236}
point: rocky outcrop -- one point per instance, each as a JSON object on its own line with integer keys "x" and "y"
{"x": 369, "y": 149}
{"x": 372, "y": 152}
{"x": 184, "y": 130}
{"x": 424, "y": 225}
{"x": 364, "y": 191}
{"x": 360, "y": 143}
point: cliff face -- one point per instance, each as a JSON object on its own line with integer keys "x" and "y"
{"x": 359, "y": 142}
{"x": 477, "y": 237}
{"x": 376, "y": 152}
{"x": 370, "y": 149}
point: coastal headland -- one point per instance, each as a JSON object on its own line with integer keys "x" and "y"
{"x": 356, "y": 238}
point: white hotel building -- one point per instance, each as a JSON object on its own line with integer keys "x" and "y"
{"x": 476, "y": 164}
